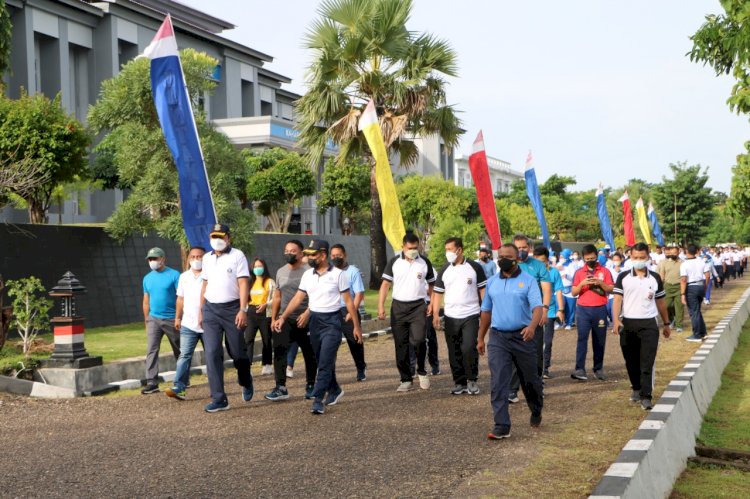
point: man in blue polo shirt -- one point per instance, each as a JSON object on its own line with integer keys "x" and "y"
{"x": 512, "y": 305}
{"x": 357, "y": 291}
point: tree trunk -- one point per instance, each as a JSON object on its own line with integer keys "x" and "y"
{"x": 378, "y": 257}
{"x": 37, "y": 213}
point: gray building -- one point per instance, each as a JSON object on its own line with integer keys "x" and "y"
{"x": 502, "y": 175}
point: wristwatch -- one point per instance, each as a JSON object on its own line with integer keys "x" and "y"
{"x": 545, "y": 306}
{"x": 246, "y": 309}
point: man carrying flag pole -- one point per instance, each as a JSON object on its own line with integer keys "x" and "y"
{"x": 535, "y": 197}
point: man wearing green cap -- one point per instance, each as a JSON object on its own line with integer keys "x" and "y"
{"x": 159, "y": 299}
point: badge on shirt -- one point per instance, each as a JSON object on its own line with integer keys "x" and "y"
{"x": 419, "y": 275}
{"x": 229, "y": 271}
{"x": 469, "y": 281}
{"x": 520, "y": 284}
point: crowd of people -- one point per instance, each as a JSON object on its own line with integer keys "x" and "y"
{"x": 508, "y": 308}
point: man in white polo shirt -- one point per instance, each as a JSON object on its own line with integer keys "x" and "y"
{"x": 694, "y": 278}
{"x": 462, "y": 281}
{"x": 224, "y": 299}
{"x": 408, "y": 271}
{"x": 639, "y": 295}
{"x": 325, "y": 286}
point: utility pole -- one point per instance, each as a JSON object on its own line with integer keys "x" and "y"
{"x": 675, "y": 217}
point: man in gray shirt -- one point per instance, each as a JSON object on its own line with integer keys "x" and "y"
{"x": 295, "y": 326}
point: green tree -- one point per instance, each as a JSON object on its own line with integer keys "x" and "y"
{"x": 425, "y": 201}
{"x": 277, "y": 181}
{"x": 517, "y": 194}
{"x": 363, "y": 50}
{"x": 686, "y": 195}
{"x": 6, "y": 33}
{"x": 30, "y": 307}
{"x": 556, "y": 185}
{"x": 471, "y": 232}
{"x": 37, "y": 130}
{"x": 135, "y": 145}
{"x": 346, "y": 186}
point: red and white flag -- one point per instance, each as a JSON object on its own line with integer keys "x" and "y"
{"x": 480, "y": 173}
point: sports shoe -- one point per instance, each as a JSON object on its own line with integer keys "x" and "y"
{"x": 646, "y": 404}
{"x": 424, "y": 382}
{"x": 706, "y": 301}
{"x": 459, "y": 389}
{"x": 499, "y": 434}
{"x": 289, "y": 372}
{"x": 600, "y": 375}
{"x": 546, "y": 374}
{"x": 309, "y": 391}
{"x": 277, "y": 394}
{"x": 568, "y": 328}
{"x": 175, "y": 393}
{"x": 317, "y": 407}
{"x": 150, "y": 388}
{"x": 635, "y": 396}
{"x": 217, "y": 406}
{"x": 334, "y": 397}
{"x": 267, "y": 369}
{"x": 513, "y": 398}
{"x": 405, "y": 386}
{"x": 362, "y": 374}
{"x": 247, "y": 393}
{"x": 535, "y": 420}
{"x": 473, "y": 388}
{"x": 436, "y": 371}
{"x": 579, "y": 374}
{"x": 694, "y": 338}
{"x": 679, "y": 329}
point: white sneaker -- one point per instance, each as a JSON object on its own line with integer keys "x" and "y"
{"x": 405, "y": 386}
{"x": 267, "y": 369}
{"x": 424, "y": 382}
{"x": 289, "y": 372}
{"x": 568, "y": 328}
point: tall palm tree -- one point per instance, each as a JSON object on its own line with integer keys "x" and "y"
{"x": 363, "y": 50}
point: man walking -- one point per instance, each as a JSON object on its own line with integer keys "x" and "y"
{"x": 187, "y": 320}
{"x": 462, "y": 281}
{"x": 669, "y": 272}
{"x": 485, "y": 260}
{"x": 324, "y": 286}
{"x": 694, "y": 278}
{"x": 224, "y": 297}
{"x": 591, "y": 285}
{"x": 159, "y": 299}
{"x": 512, "y": 306}
{"x": 556, "y": 307}
{"x": 639, "y": 296}
{"x": 408, "y": 272}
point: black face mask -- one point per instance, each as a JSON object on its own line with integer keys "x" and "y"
{"x": 312, "y": 263}
{"x": 523, "y": 255}
{"x": 591, "y": 263}
{"x": 673, "y": 257}
{"x": 337, "y": 262}
{"x": 484, "y": 258}
{"x": 290, "y": 258}
{"x": 506, "y": 264}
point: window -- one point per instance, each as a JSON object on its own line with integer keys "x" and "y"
{"x": 79, "y": 81}
{"x": 47, "y": 64}
{"x": 248, "y": 98}
{"x": 126, "y": 52}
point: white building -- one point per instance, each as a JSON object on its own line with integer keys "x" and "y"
{"x": 501, "y": 174}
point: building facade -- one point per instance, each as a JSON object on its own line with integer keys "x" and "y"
{"x": 501, "y": 174}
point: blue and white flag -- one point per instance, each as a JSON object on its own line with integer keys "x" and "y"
{"x": 655, "y": 228}
{"x": 178, "y": 124}
{"x": 532, "y": 190}
{"x": 606, "y": 225}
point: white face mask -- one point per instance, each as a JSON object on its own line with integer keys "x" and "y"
{"x": 154, "y": 264}
{"x": 196, "y": 264}
{"x": 218, "y": 244}
{"x": 639, "y": 264}
{"x": 411, "y": 254}
{"x": 451, "y": 256}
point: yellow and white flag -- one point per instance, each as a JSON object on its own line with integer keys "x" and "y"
{"x": 643, "y": 220}
{"x": 393, "y": 223}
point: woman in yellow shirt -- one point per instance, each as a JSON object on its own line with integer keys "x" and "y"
{"x": 258, "y": 317}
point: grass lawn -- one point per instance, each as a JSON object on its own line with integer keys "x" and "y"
{"x": 711, "y": 481}
{"x": 371, "y": 303}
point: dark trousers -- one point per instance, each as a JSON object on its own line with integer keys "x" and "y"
{"x": 357, "y": 349}
{"x": 731, "y": 271}
{"x": 591, "y": 321}
{"x": 694, "y": 297}
{"x": 719, "y": 283}
{"x": 549, "y": 334}
{"x": 290, "y": 332}
{"x": 408, "y": 328}
{"x": 218, "y": 325}
{"x": 538, "y": 342}
{"x": 738, "y": 268}
{"x": 570, "y": 310}
{"x": 259, "y": 322}
{"x": 506, "y": 349}
{"x": 427, "y": 351}
{"x": 639, "y": 341}
{"x": 461, "y": 339}
{"x": 325, "y": 336}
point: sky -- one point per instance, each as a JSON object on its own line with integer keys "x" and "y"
{"x": 599, "y": 90}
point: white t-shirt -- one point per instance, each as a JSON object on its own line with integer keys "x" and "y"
{"x": 461, "y": 284}
{"x": 694, "y": 270}
{"x": 189, "y": 289}
{"x": 221, "y": 273}
{"x": 324, "y": 290}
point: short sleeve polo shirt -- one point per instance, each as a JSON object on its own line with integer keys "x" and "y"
{"x": 461, "y": 284}
{"x": 587, "y": 297}
{"x": 557, "y": 285}
{"x": 161, "y": 288}
{"x": 189, "y": 289}
{"x": 535, "y": 269}
{"x": 221, "y": 273}
{"x": 511, "y": 300}
{"x": 324, "y": 290}
{"x": 409, "y": 277}
{"x": 694, "y": 271}
{"x": 639, "y": 294}
{"x": 356, "y": 284}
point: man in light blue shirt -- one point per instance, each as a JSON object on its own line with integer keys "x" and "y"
{"x": 357, "y": 291}
{"x": 556, "y": 307}
{"x": 485, "y": 260}
{"x": 512, "y": 306}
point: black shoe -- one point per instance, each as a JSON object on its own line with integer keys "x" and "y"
{"x": 150, "y": 388}
{"x": 309, "y": 391}
{"x": 546, "y": 374}
{"x": 513, "y": 398}
{"x": 362, "y": 374}
{"x": 535, "y": 420}
{"x": 646, "y": 404}
{"x": 499, "y": 434}
{"x": 600, "y": 375}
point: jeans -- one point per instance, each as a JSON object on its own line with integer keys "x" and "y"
{"x": 504, "y": 350}
{"x": 707, "y": 296}
{"x": 461, "y": 339}
{"x": 639, "y": 341}
{"x": 357, "y": 349}
{"x": 155, "y": 330}
{"x": 570, "y": 310}
{"x": 408, "y": 328}
{"x": 188, "y": 341}
{"x": 591, "y": 321}
{"x": 290, "y": 331}
{"x": 694, "y": 297}
{"x": 325, "y": 336}
{"x": 549, "y": 334}
{"x": 291, "y": 355}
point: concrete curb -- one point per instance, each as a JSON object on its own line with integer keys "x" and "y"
{"x": 34, "y": 388}
{"x": 657, "y": 454}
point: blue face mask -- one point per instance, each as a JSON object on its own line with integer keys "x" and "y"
{"x": 602, "y": 260}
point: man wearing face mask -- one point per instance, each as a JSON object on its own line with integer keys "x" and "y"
{"x": 512, "y": 307}
{"x": 224, "y": 299}
{"x": 408, "y": 271}
{"x": 669, "y": 272}
{"x": 694, "y": 278}
{"x": 159, "y": 300}
{"x": 485, "y": 260}
{"x": 186, "y": 320}
{"x": 591, "y": 285}
{"x": 462, "y": 281}
{"x": 295, "y": 327}
{"x": 324, "y": 286}
{"x": 357, "y": 291}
